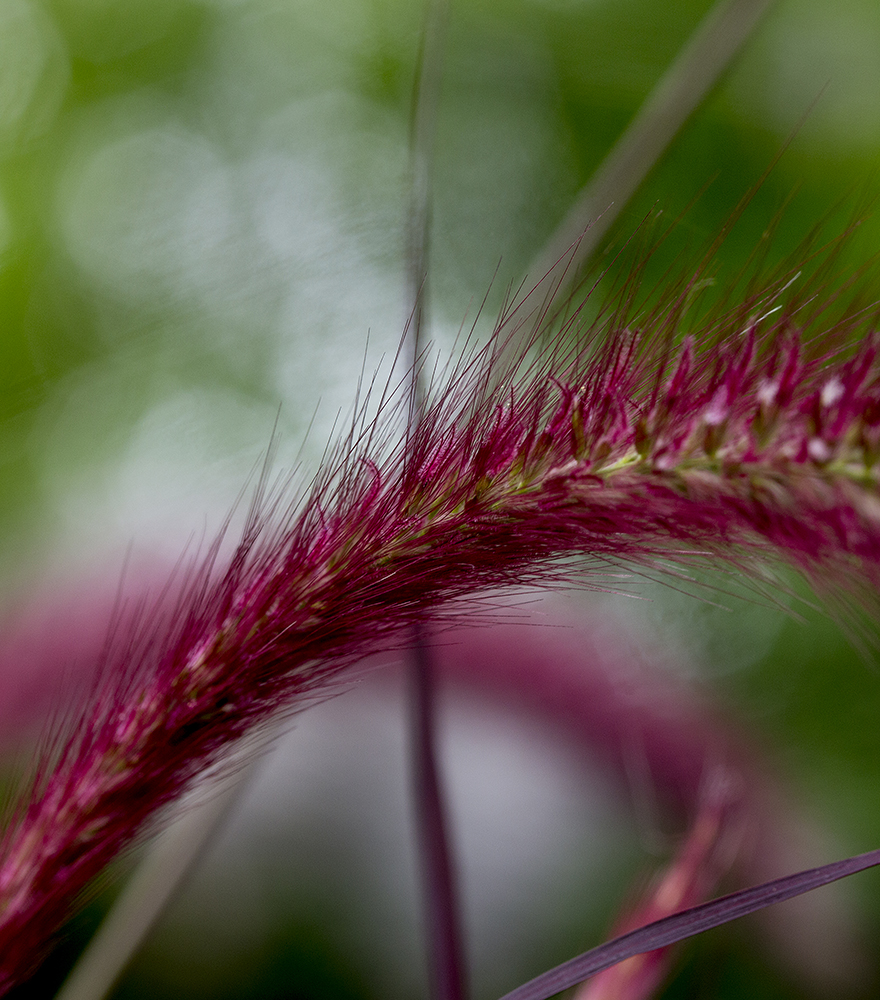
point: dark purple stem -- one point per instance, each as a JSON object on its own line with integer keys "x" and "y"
{"x": 444, "y": 938}
{"x": 441, "y": 904}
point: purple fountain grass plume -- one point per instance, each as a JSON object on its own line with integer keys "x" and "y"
{"x": 758, "y": 436}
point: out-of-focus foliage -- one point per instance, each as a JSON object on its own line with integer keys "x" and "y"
{"x": 202, "y": 208}
{"x": 201, "y": 218}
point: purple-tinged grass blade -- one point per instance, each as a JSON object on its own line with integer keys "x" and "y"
{"x": 687, "y": 923}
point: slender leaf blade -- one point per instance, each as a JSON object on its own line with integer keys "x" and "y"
{"x": 688, "y": 923}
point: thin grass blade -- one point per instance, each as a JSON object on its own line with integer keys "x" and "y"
{"x": 687, "y": 923}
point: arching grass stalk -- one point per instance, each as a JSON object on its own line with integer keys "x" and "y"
{"x": 754, "y": 436}
{"x": 711, "y": 49}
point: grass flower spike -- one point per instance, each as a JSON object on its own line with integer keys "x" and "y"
{"x": 633, "y": 440}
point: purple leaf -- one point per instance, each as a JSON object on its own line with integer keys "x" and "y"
{"x": 687, "y": 923}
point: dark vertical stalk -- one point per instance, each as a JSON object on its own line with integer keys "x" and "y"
{"x": 442, "y": 917}
{"x": 442, "y": 920}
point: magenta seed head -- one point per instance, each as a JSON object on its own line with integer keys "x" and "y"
{"x": 754, "y": 435}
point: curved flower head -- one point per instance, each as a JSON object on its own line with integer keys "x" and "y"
{"x": 632, "y": 439}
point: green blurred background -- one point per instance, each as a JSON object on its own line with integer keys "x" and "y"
{"x": 201, "y": 221}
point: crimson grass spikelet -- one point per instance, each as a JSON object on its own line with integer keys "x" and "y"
{"x": 630, "y": 440}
